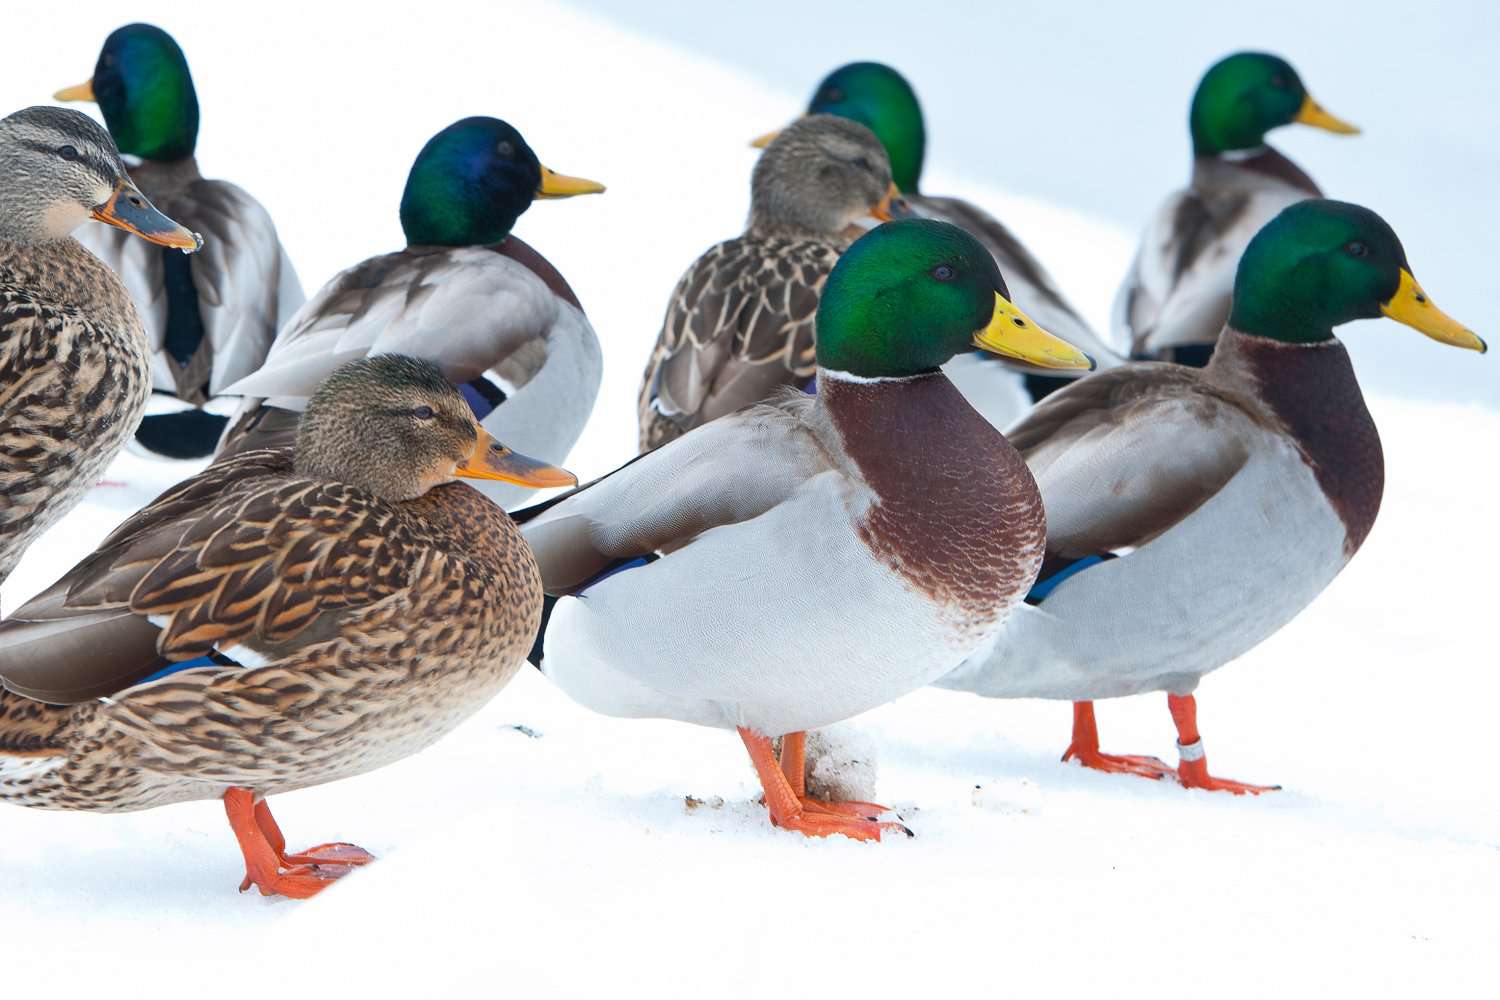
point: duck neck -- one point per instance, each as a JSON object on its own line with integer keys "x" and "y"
{"x": 956, "y": 512}
{"x": 1311, "y": 391}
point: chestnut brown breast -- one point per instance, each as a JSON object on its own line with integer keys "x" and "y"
{"x": 957, "y": 512}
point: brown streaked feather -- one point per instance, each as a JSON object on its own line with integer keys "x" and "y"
{"x": 74, "y": 377}
{"x": 738, "y": 327}
{"x": 243, "y": 553}
{"x": 1124, "y": 455}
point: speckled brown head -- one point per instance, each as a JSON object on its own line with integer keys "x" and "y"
{"x": 819, "y": 175}
{"x": 58, "y": 169}
{"x": 392, "y": 425}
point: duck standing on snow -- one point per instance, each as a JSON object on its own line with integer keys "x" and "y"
{"x": 285, "y": 618}
{"x": 1176, "y": 296}
{"x": 465, "y": 293}
{"x": 793, "y": 564}
{"x": 739, "y": 325}
{"x": 74, "y": 360}
{"x": 881, "y": 99}
{"x": 1232, "y": 494}
{"x": 210, "y": 318}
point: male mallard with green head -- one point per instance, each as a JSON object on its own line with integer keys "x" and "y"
{"x": 892, "y": 527}
{"x": 739, "y": 324}
{"x": 285, "y": 618}
{"x": 1191, "y": 513}
{"x": 210, "y": 318}
{"x": 1176, "y": 297}
{"x": 465, "y": 293}
{"x": 74, "y": 361}
{"x": 881, "y": 99}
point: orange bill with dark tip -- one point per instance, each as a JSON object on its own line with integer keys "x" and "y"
{"x": 492, "y": 460}
{"x": 891, "y": 206}
{"x": 128, "y": 209}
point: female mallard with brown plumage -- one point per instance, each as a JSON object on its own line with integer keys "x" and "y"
{"x": 739, "y": 324}
{"x": 74, "y": 364}
{"x": 465, "y": 293}
{"x": 1176, "y": 297}
{"x": 210, "y": 318}
{"x": 880, "y": 98}
{"x": 285, "y": 618}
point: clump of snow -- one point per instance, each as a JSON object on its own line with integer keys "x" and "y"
{"x": 842, "y": 764}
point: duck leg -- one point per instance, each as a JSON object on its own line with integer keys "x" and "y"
{"x": 1192, "y": 767}
{"x": 791, "y": 811}
{"x": 1085, "y": 749}
{"x": 268, "y": 867}
{"x": 794, "y": 766}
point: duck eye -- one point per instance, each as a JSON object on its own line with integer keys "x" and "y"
{"x": 1356, "y": 248}
{"x": 423, "y": 412}
{"x": 833, "y": 94}
{"x": 944, "y": 272}
{"x": 860, "y": 163}
{"x": 68, "y": 153}
{"x": 506, "y": 148}
{"x": 1279, "y": 82}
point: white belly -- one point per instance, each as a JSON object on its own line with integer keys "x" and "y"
{"x": 777, "y": 628}
{"x": 1159, "y": 618}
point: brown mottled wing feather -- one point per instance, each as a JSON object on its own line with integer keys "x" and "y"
{"x": 259, "y": 425}
{"x": 739, "y": 326}
{"x": 245, "y": 552}
{"x": 1123, "y": 455}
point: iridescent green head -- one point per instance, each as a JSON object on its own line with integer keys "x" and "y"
{"x": 1246, "y": 95}
{"x": 472, "y": 181}
{"x": 1320, "y": 264}
{"x": 881, "y": 100}
{"x": 911, "y": 294}
{"x": 145, "y": 92}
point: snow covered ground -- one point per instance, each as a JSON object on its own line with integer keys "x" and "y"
{"x": 544, "y": 851}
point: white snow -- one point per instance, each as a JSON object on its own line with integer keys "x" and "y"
{"x": 571, "y": 862}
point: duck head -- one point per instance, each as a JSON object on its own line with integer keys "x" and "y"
{"x": 1245, "y": 95}
{"x": 145, "y": 92}
{"x": 881, "y": 100}
{"x": 58, "y": 169}
{"x": 1322, "y": 263}
{"x": 472, "y": 181}
{"x": 402, "y": 410}
{"x": 821, "y": 174}
{"x": 911, "y": 294}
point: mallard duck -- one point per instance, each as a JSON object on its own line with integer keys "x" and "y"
{"x": 465, "y": 293}
{"x": 285, "y": 618}
{"x": 1191, "y": 513}
{"x": 74, "y": 366}
{"x": 880, "y": 98}
{"x": 1176, "y": 296}
{"x": 739, "y": 324}
{"x": 793, "y": 564}
{"x": 210, "y": 318}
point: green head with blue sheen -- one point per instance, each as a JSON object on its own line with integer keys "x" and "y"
{"x": 1246, "y": 95}
{"x": 1322, "y": 263}
{"x": 472, "y": 181}
{"x": 911, "y": 294}
{"x": 881, "y": 100}
{"x": 145, "y": 92}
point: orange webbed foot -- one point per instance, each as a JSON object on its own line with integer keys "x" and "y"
{"x": 790, "y": 806}
{"x": 1194, "y": 774}
{"x": 1145, "y": 767}
{"x": 267, "y": 865}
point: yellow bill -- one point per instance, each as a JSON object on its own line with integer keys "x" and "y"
{"x": 556, "y": 185}
{"x": 1410, "y": 305}
{"x": 1012, "y": 334}
{"x": 1312, "y": 113}
{"x": 492, "y": 460}
{"x": 82, "y": 92}
{"x": 762, "y": 141}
